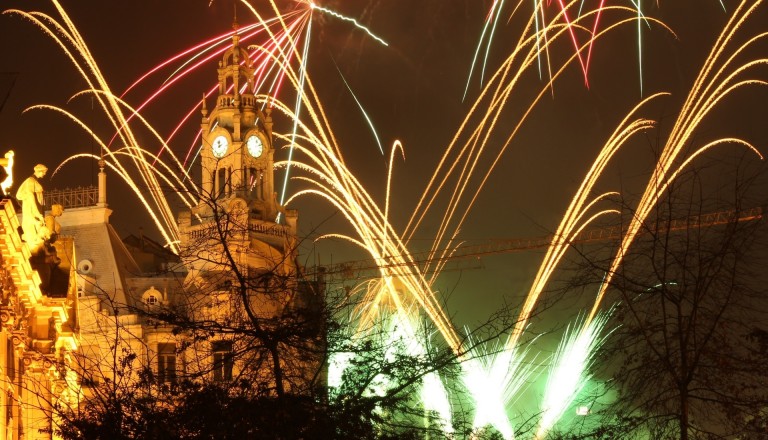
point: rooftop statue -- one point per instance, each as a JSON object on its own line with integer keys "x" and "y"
{"x": 30, "y": 195}
{"x": 7, "y": 164}
{"x": 52, "y": 228}
{"x": 45, "y": 259}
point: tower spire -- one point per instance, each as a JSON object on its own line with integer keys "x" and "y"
{"x": 234, "y": 19}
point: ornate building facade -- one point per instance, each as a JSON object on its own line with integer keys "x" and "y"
{"x": 39, "y": 345}
{"x": 81, "y": 309}
{"x": 238, "y": 244}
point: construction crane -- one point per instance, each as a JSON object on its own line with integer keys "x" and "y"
{"x": 368, "y": 268}
{"x": 14, "y": 75}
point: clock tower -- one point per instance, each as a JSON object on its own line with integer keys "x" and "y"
{"x": 237, "y": 151}
{"x": 242, "y": 263}
{"x": 237, "y": 204}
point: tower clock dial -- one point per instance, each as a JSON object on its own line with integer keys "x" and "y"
{"x": 255, "y": 145}
{"x": 219, "y": 146}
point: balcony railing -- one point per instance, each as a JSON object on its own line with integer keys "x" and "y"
{"x": 209, "y": 231}
{"x": 79, "y": 197}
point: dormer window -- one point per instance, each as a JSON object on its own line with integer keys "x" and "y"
{"x": 152, "y": 297}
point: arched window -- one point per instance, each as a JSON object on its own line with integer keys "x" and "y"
{"x": 152, "y": 298}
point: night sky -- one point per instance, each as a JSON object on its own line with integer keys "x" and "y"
{"x": 412, "y": 90}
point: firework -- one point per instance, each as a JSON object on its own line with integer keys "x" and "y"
{"x": 569, "y": 13}
{"x": 718, "y": 78}
{"x": 493, "y": 376}
{"x": 72, "y": 44}
{"x": 570, "y": 369}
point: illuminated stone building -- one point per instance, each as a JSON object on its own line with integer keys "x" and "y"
{"x": 122, "y": 282}
{"x": 71, "y": 317}
{"x": 115, "y": 285}
{"x": 38, "y": 340}
{"x": 241, "y": 260}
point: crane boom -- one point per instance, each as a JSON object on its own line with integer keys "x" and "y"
{"x": 357, "y": 269}
{"x": 8, "y": 93}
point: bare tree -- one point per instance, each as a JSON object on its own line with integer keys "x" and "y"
{"x": 241, "y": 349}
{"x": 686, "y": 360}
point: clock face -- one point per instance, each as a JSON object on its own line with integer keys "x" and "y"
{"x": 219, "y": 146}
{"x": 255, "y": 145}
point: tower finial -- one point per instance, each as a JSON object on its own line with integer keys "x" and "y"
{"x": 102, "y": 201}
{"x": 234, "y": 20}
{"x": 204, "y": 109}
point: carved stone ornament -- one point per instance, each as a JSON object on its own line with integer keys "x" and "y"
{"x": 7, "y": 317}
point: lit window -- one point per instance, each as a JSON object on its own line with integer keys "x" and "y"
{"x": 222, "y": 361}
{"x": 166, "y": 362}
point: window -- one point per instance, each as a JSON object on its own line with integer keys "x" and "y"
{"x": 166, "y": 362}
{"x": 222, "y": 361}
{"x": 250, "y": 175}
{"x": 223, "y": 183}
{"x": 264, "y": 283}
{"x": 151, "y": 298}
{"x": 10, "y": 360}
{"x": 9, "y": 408}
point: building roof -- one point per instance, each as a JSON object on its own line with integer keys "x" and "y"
{"x": 101, "y": 255}
{"x": 151, "y": 256}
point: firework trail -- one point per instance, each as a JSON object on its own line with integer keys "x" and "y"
{"x": 314, "y": 139}
{"x": 400, "y": 336}
{"x": 403, "y": 286}
{"x": 371, "y": 223}
{"x": 281, "y": 34}
{"x": 329, "y": 178}
{"x": 494, "y": 376}
{"x": 568, "y": 15}
{"x": 459, "y": 164}
{"x": 706, "y": 94}
{"x": 376, "y": 237}
{"x": 70, "y": 41}
{"x": 569, "y": 371}
{"x": 578, "y": 216}
{"x": 718, "y": 78}
{"x": 351, "y": 197}
{"x": 504, "y": 370}
{"x": 285, "y": 36}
